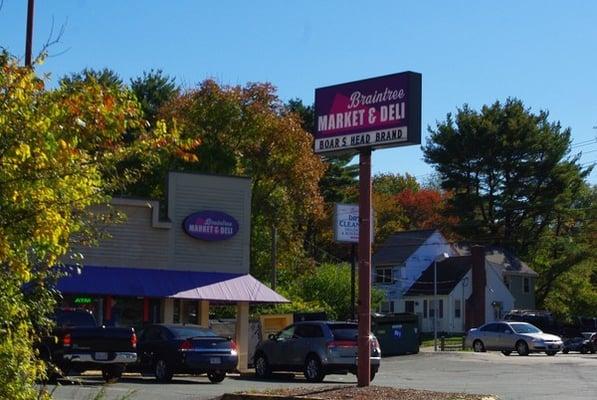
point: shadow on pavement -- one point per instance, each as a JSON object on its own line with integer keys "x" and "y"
{"x": 285, "y": 377}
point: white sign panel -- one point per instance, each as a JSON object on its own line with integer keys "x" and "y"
{"x": 346, "y": 223}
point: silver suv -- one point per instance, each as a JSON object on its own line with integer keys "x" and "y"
{"x": 315, "y": 347}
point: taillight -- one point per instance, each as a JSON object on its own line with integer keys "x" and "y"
{"x": 233, "y": 347}
{"x": 134, "y": 340}
{"x": 186, "y": 345}
{"x": 66, "y": 340}
{"x": 374, "y": 344}
{"x": 334, "y": 344}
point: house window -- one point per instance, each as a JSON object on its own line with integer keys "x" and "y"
{"x": 457, "y": 309}
{"x": 386, "y": 307}
{"x": 441, "y": 309}
{"x": 507, "y": 282}
{"x": 409, "y": 306}
{"x": 424, "y": 308}
{"x": 432, "y": 309}
{"x": 526, "y": 285}
{"x": 384, "y": 275}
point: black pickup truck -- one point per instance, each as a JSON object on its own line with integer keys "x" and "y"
{"x": 78, "y": 344}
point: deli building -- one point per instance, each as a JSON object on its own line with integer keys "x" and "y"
{"x": 169, "y": 263}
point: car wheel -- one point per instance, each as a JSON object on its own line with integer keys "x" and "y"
{"x": 565, "y": 351}
{"x": 262, "y": 368}
{"x": 163, "y": 372}
{"x": 216, "y": 376}
{"x": 372, "y": 375}
{"x": 478, "y": 346}
{"x": 584, "y": 350}
{"x": 551, "y": 353}
{"x": 522, "y": 348}
{"x": 506, "y": 352}
{"x": 313, "y": 369}
{"x": 112, "y": 373}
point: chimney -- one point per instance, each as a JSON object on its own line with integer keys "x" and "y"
{"x": 475, "y": 307}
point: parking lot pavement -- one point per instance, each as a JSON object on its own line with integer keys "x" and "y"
{"x": 564, "y": 376}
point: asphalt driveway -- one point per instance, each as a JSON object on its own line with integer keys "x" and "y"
{"x": 570, "y": 376}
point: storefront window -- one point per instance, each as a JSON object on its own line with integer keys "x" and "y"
{"x": 127, "y": 312}
{"x": 190, "y": 312}
{"x": 93, "y": 304}
{"x": 155, "y": 311}
{"x": 176, "y": 311}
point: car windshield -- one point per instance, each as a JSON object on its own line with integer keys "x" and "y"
{"x": 525, "y": 328}
{"x": 344, "y": 331}
{"x": 190, "y": 331}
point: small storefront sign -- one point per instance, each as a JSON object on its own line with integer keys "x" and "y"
{"x": 83, "y": 300}
{"x": 210, "y": 225}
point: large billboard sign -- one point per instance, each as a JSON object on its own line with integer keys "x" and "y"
{"x": 376, "y": 112}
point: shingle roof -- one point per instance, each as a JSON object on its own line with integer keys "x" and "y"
{"x": 500, "y": 259}
{"x": 449, "y": 273}
{"x": 400, "y": 246}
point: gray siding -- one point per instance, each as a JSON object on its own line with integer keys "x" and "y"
{"x": 230, "y": 195}
{"x": 134, "y": 243}
{"x": 522, "y": 300}
{"x": 144, "y": 242}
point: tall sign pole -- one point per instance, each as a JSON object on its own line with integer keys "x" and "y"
{"x": 364, "y": 367}
{"x": 358, "y": 117}
{"x": 29, "y": 37}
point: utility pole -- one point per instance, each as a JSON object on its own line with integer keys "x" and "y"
{"x": 274, "y": 251}
{"x": 29, "y": 37}
{"x": 352, "y": 280}
{"x": 364, "y": 349}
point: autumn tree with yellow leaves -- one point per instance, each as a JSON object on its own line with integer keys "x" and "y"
{"x": 61, "y": 151}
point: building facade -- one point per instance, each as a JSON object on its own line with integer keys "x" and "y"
{"x": 170, "y": 265}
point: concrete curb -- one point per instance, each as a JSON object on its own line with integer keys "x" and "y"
{"x": 232, "y": 396}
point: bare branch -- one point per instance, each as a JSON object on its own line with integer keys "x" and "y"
{"x": 53, "y": 40}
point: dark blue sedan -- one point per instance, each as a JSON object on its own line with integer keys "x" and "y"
{"x": 166, "y": 350}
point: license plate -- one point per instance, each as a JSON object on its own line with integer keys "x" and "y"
{"x": 101, "y": 356}
{"x": 215, "y": 360}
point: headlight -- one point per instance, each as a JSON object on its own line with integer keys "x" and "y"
{"x": 537, "y": 340}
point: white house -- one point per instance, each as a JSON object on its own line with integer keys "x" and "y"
{"x": 455, "y": 285}
{"x": 474, "y": 284}
{"x": 401, "y": 260}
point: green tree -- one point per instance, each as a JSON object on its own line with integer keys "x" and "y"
{"x": 326, "y": 289}
{"x": 514, "y": 183}
{"x": 153, "y": 90}
{"x": 392, "y": 184}
{"x": 509, "y": 171}
{"x": 105, "y": 77}
{"x": 247, "y": 131}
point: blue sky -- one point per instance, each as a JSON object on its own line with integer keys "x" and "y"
{"x": 475, "y": 52}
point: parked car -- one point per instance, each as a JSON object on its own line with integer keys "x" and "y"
{"x": 78, "y": 344}
{"x": 509, "y": 336}
{"x": 580, "y": 344}
{"x": 166, "y": 350}
{"x": 316, "y": 348}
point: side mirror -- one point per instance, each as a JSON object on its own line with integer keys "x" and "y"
{"x": 507, "y": 331}
{"x": 271, "y": 336}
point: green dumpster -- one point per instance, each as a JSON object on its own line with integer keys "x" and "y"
{"x": 396, "y": 333}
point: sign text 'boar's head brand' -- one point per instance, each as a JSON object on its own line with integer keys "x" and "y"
{"x": 210, "y": 225}
{"x": 376, "y": 112}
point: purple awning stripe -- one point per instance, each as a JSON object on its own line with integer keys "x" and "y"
{"x": 191, "y": 285}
